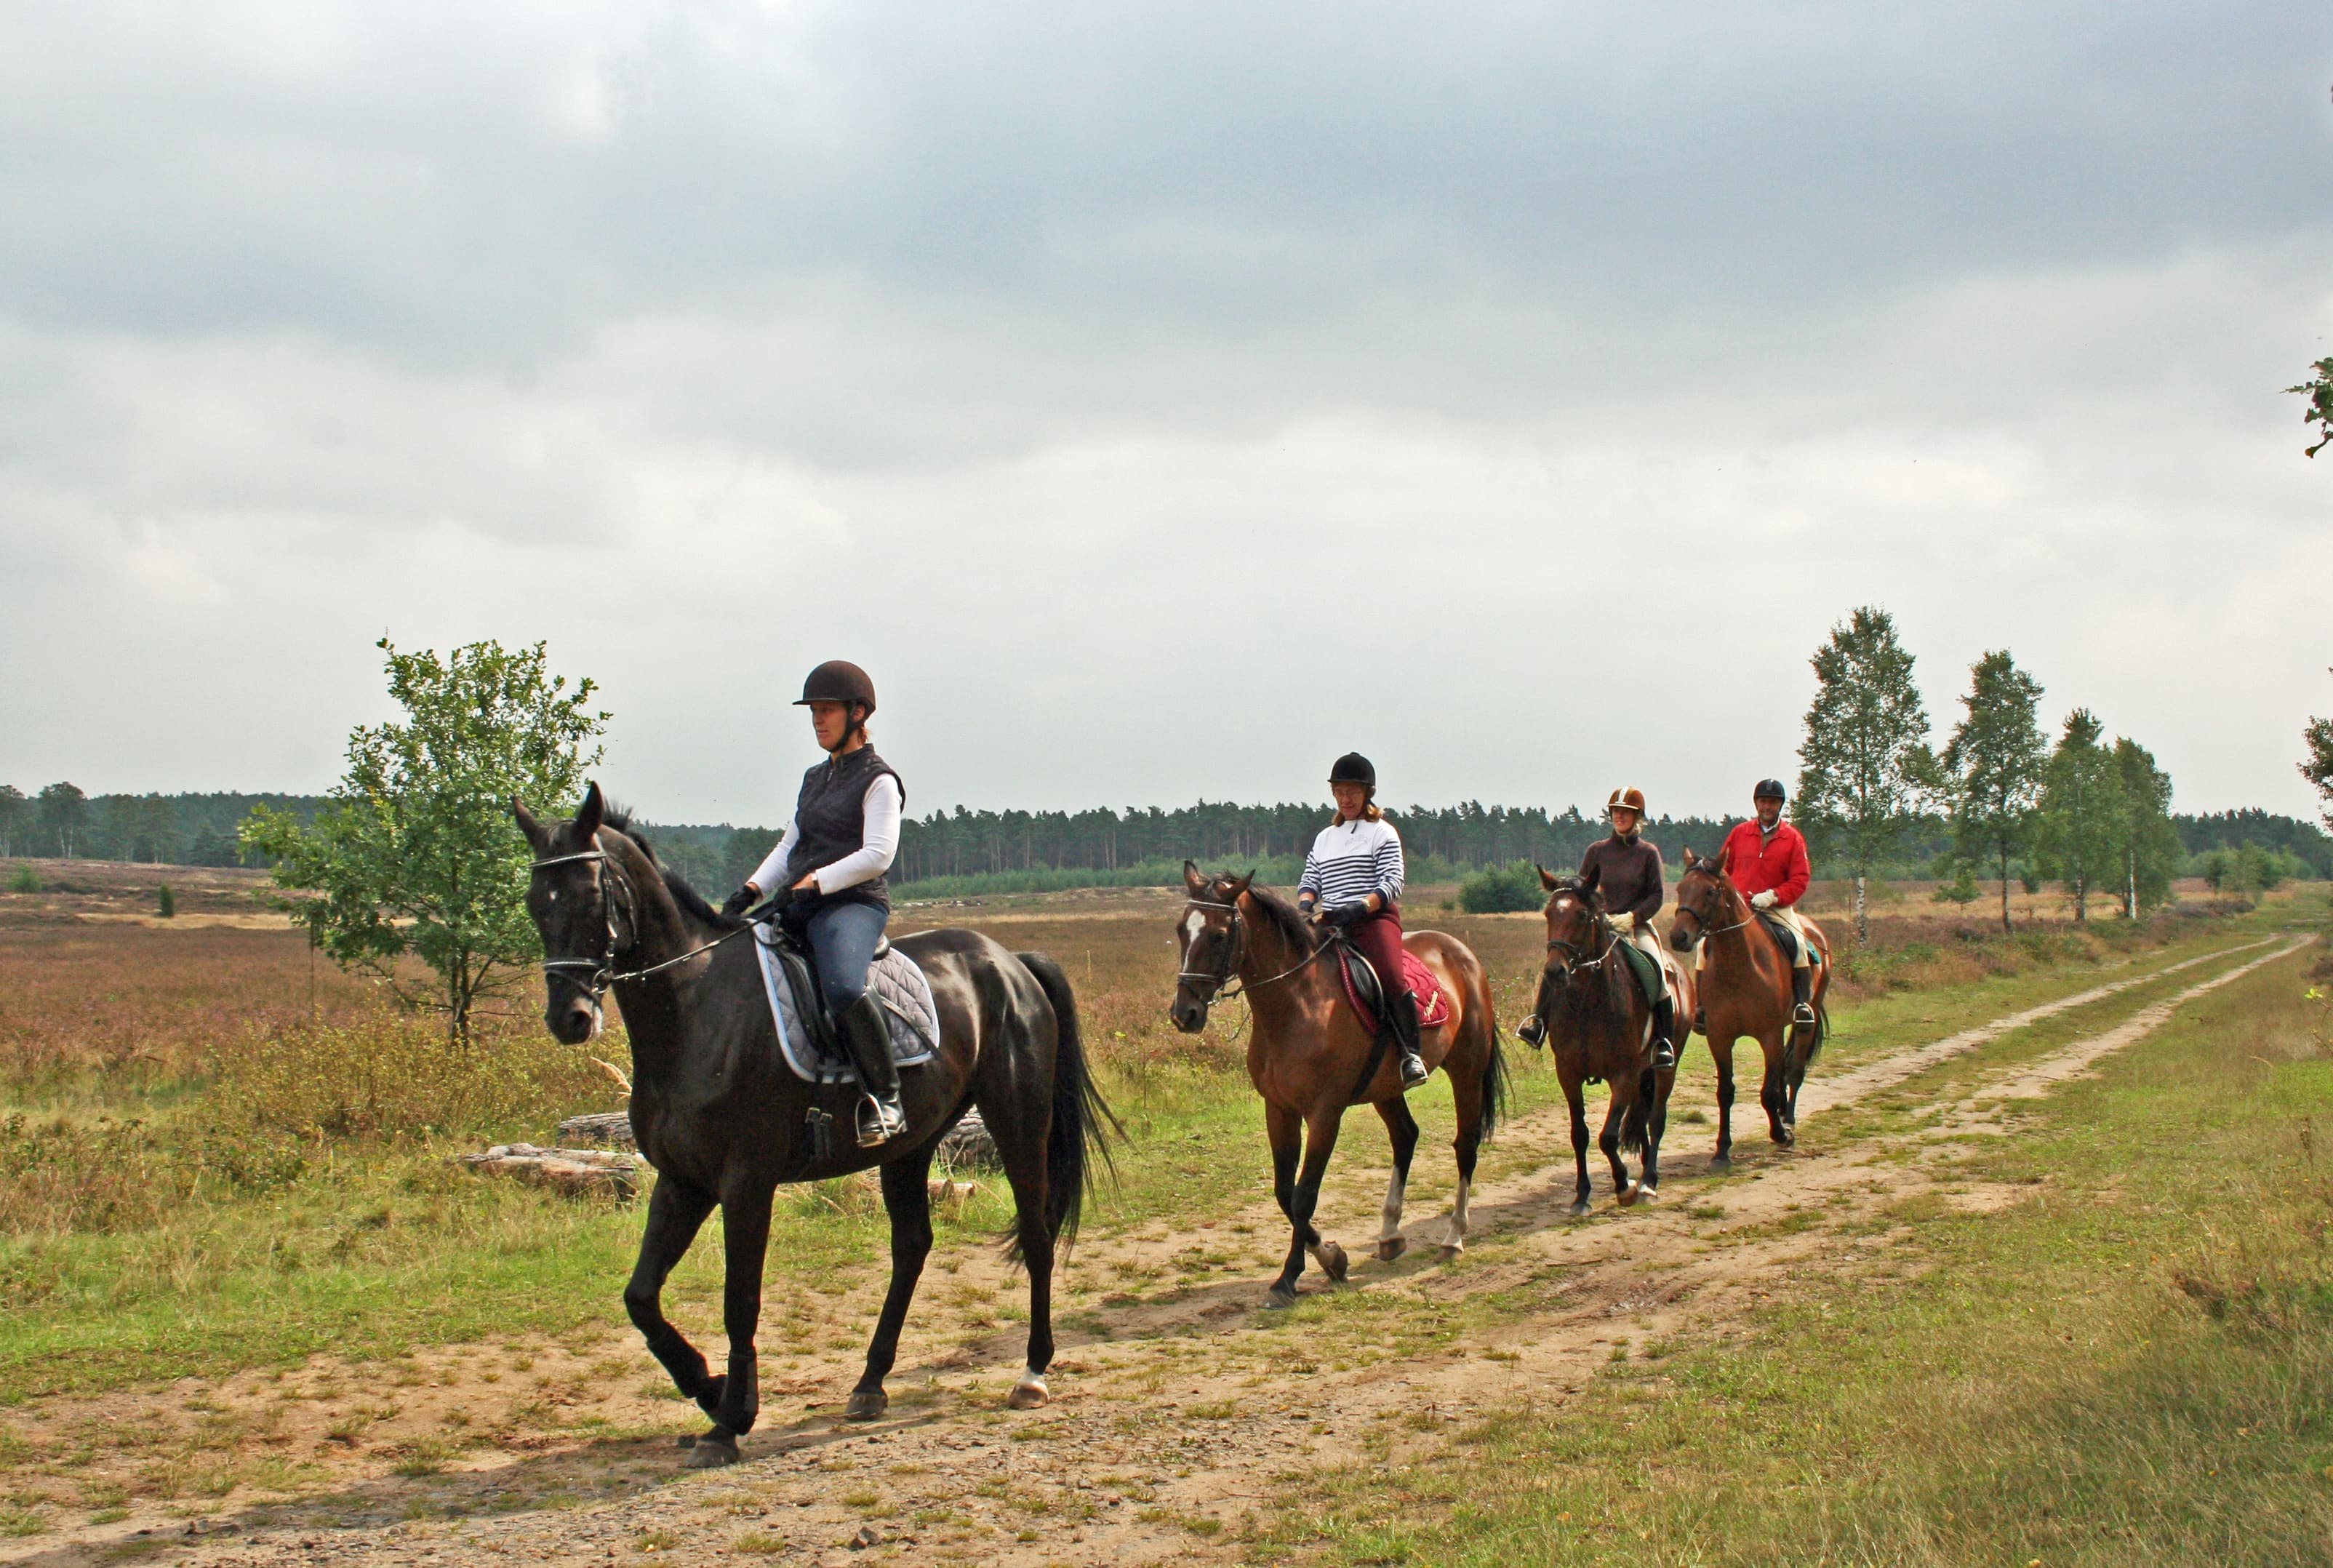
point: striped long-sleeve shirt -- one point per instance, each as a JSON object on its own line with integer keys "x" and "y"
{"x": 1350, "y": 860}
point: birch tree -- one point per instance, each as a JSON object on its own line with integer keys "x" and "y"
{"x": 1865, "y": 770}
{"x": 1993, "y": 765}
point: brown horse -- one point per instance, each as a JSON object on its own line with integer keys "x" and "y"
{"x": 1593, "y": 1016}
{"x": 1309, "y": 1055}
{"x": 1746, "y": 991}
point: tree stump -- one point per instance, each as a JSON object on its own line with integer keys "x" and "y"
{"x": 606, "y": 1130}
{"x": 967, "y": 1144}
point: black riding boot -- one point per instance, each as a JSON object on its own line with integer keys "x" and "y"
{"x": 881, "y": 1116}
{"x": 1664, "y": 1033}
{"x": 1401, "y": 1018}
{"x": 1802, "y": 986}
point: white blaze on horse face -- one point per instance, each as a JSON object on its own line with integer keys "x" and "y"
{"x": 1193, "y": 924}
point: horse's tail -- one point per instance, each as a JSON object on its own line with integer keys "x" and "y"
{"x": 1637, "y": 1125}
{"x": 1082, "y": 1123}
{"x": 1494, "y": 1085}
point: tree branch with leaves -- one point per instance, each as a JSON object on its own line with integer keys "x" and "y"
{"x": 1865, "y": 773}
{"x": 2319, "y": 391}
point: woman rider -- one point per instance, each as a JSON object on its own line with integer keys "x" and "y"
{"x": 1627, "y": 868}
{"x": 1352, "y": 880}
{"x": 830, "y": 863}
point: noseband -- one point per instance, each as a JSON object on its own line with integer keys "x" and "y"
{"x": 1708, "y": 931}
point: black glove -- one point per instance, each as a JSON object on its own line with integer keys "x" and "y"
{"x": 1343, "y": 914}
{"x": 738, "y": 902}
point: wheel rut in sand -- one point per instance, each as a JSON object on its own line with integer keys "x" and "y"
{"x": 1178, "y": 1416}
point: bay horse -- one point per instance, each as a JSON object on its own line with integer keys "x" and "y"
{"x": 1746, "y": 991}
{"x": 723, "y": 1120}
{"x": 1309, "y": 1055}
{"x": 1593, "y": 1017}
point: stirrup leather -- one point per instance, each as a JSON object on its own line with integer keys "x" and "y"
{"x": 879, "y": 1121}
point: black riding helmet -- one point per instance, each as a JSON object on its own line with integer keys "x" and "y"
{"x": 838, "y": 681}
{"x": 1770, "y": 789}
{"x": 1353, "y": 768}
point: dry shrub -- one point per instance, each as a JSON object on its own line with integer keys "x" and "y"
{"x": 392, "y": 1076}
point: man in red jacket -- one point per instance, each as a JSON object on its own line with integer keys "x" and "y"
{"x": 1767, "y": 859}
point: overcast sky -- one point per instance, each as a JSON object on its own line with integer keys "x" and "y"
{"x": 1159, "y": 401}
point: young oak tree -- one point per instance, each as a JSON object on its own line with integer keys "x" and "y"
{"x": 1994, "y": 764}
{"x": 2150, "y": 841}
{"x": 2079, "y": 831}
{"x": 1865, "y": 770}
{"x": 415, "y": 855}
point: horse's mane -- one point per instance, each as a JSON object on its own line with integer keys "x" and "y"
{"x": 692, "y": 902}
{"x": 1286, "y": 917}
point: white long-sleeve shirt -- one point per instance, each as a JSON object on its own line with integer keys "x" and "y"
{"x": 1350, "y": 860}
{"x": 880, "y": 808}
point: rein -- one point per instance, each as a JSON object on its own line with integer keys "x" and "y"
{"x": 601, "y": 977}
{"x": 1238, "y": 943}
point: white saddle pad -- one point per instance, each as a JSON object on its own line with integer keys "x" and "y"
{"x": 894, "y": 981}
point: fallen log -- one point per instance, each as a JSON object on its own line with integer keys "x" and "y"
{"x": 577, "y": 1172}
{"x": 601, "y": 1129}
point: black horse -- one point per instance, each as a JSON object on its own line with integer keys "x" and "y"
{"x": 723, "y": 1120}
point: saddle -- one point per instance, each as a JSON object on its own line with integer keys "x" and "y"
{"x": 808, "y": 1033}
{"x": 1366, "y": 992}
{"x": 1645, "y": 967}
{"x": 1788, "y": 940}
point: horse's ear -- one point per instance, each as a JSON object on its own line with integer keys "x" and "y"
{"x": 1691, "y": 859}
{"x": 589, "y": 814}
{"x": 526, "y": 823}
{"x": 1245, "y": 882}
{"x": 1546, "y": 878}
{"x": 1193, "y": 879}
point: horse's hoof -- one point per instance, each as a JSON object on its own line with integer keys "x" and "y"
{"x": 1028, "y": 1394}
{"x": 1578, "y": 1207}
{"x": 1390, "y": 1248}
{"x": 711, "y": 1453}
{"x": 1784, "y": 1137}
{"x": 1721, "y": 1163}
{"x": 1452, "y": 1251}
{"x": 1280, "y": 1297}
{"x": 1647, "y": 1194}
{"x": 865, "y": 1404}
{"x": 1626, "y": 1195}
{"x": 1332, "y": 1261}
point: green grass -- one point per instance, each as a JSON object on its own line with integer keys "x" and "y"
{"x": 2135, "y": 1364}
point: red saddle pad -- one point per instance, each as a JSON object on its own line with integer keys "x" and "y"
{"x": 1432, "y": 1002}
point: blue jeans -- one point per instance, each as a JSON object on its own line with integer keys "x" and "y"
{"x": 842, "y": 938}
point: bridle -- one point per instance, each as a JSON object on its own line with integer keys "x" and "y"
{"x": 1573, "y": 963}
{"x": 1708, "y": 931}
{"x": 1216, "y": 984}
{"x": 600, "y": 976}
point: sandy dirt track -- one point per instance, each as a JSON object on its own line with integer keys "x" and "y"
{"x": 1184, "y": 1408}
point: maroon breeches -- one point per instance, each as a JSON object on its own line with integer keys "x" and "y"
{"x": 1379, "y": 940}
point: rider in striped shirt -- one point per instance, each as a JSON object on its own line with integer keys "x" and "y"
{"x": 1352, "y": 880}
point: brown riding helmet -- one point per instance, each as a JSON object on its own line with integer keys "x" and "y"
{"x": 838, "y": 681}
{"x": 1629, "y": 799}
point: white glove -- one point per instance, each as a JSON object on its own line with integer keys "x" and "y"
{"x": 1625, "y": 921}
{"x": 1764, "y": 901}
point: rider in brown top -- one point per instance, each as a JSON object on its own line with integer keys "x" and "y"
{"x": 1626, "y": 869}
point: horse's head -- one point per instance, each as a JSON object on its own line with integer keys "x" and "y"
{"x": 1705, "y": 893}
{"x": 1208, "y": 939}
{"x": 570, "y": 896}
{"x": 1577, "y": 931}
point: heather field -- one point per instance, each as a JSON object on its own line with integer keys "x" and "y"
{"x": 2044, "y": 1278}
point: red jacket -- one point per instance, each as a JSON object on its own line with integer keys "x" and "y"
{"x": 1757, "y": 864}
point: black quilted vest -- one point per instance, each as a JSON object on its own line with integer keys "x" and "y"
{"x": 831, "y": 821}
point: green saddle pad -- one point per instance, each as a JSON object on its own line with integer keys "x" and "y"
{"x": 1648, "y": 971}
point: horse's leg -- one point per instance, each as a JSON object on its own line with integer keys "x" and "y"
{"x": 1402, "y": 1127}
{"x": 1467, "y": 1097}
{"x": 1576, "y": 1097}
{"x": 1770, "y": 1088}
{"x": 1034, "y": 1236}
{"x": 1616, "y": 1111}
{"x": 736, "y": 1396}
{"x": 1721, "y": 1053}
{"x": 1285, "y": 1129}
{"x": 1657, "y": 1085}
{"x": 907, "y": 1200}
{"x": 1319, "y": 1141}
{"x": 676, "y": 1210}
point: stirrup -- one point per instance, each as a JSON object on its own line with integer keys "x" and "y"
{"x": 1531, "y": 1030}
{"x": 879, "y": 1121}
{"x": 1664, "y": 1055}
{"x": 1414, "y": 1070}
{"x": 1804, "y": 1017}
